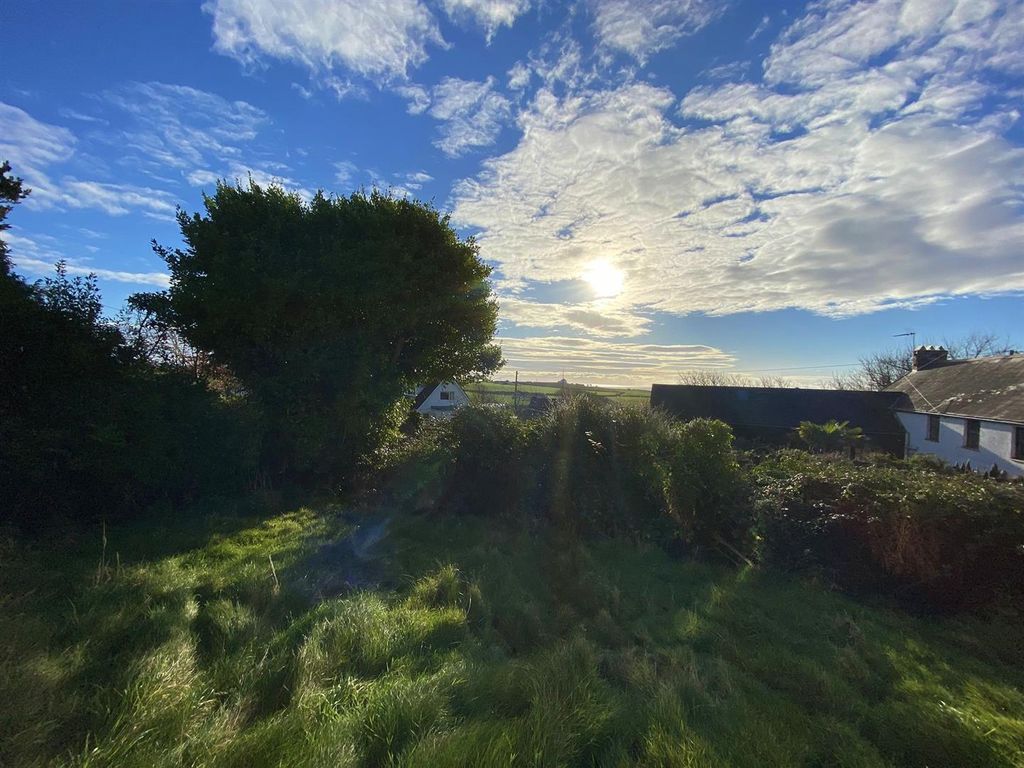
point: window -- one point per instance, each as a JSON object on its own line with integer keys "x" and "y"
{"x": 1018, "y": 443}
{"x": 446, "y": 395}
{"x": 933, "y": 428}
{"x": 972, "y": 433}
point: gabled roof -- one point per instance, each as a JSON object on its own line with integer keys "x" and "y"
{"x": 781, "y": 409}
{"x": 427, "y": 390}
{"x": 984, "y": 388}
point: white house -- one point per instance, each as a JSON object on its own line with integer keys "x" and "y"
{"x": 965, "y": 411}
{"x": 439, "y": 399}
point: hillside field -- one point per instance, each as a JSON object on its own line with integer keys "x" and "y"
{"x": 502, "y": 392}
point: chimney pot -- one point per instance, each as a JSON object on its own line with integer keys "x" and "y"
{"x": 929, "y": 357}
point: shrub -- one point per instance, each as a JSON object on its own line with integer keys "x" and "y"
{"x": 473, "y": 462}
{"x": 588, "y": 465}
{"x": 831, "y": 437}
{"x": 602, "y": 467}
{"x": 705, "y": 486}
{"x": 934, "y": 540}
{"x": 414, "y": 470}
{"x": 489, "y": 443}
{"x": 86, "y": 429}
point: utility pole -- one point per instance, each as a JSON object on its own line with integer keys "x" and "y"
{"x": 515, "y": 396}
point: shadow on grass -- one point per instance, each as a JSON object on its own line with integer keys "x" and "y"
{"x": 432, "y": 641}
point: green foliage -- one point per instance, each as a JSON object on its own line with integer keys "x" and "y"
{"x": 603, "y": 467}
{"x": 489, "y": 446}
{"x": 589, "y": 464}
{"x": 935, "y": 539}
{"x": 87, "y": 428}
{"x": 12, "y": 192}
{"x": 496, "y": 644}
{"x": 706, "y": 491}
{"x": 328, "y": 311}
{"x": 831, "y": 437}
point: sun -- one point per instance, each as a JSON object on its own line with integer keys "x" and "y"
{"x": 605, "y": 279}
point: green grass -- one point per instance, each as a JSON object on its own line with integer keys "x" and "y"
{"x": 487, "y": 645}
{"x": 503, "y": 393}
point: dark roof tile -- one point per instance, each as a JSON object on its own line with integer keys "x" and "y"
{"x": 983, "y": 388}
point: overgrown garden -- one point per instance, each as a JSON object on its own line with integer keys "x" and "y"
{"x": 224, "y": 544}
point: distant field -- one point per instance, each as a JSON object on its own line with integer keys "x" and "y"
{"x": 504, "y": 392}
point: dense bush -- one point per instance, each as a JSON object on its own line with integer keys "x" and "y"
{"x": 87, "y": 429}
{"x": 604, "y": 467}
{"x": 473, "y": 462}
{"x": 88, "y": 425}
{"x": 707, "y": 492}
{"x": 489, "y": 445}
{"x": 933, "y": 539}
{"x": 587, "y": 465}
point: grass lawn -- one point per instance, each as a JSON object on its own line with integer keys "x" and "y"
{"x": 231, "y": 640}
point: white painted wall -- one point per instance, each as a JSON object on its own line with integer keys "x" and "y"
{"x": 995, "y": 445}
{"x": 436, "y": 406}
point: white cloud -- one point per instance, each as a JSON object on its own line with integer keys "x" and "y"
{"x": 488, "y": 14}
{"x": 116, "y": 199}
{"x": 175, "y": 126}
{"x": 518, "y": 76}
{"x": 873, "y": 168}
{"x": 602, "y": 362}
{"x": 643, "y": 27}
{"x": 44, "y": 268}
{"x": 34, "y": 259}
{"x": 73, "y": 114}
{"x": 202, "y": 136}
{"x": 376, "y": 39}
{"x": 32, "y": 146}
{"x": 594, "y": 318}
{"x": 416, "y": 95}
{"x": 472, "y": 112}
{"x": 203, "y": 178}
{"x": 346, "y": 171}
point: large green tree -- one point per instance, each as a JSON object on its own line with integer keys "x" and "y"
{"x": 327, "y": 311}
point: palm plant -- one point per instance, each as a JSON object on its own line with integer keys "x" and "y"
{"x": 831, "y": 437}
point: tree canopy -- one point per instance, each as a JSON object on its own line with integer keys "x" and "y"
{"x": 327, "y": 311}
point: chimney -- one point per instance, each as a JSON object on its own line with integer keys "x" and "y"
{"x": 929, "y": 357}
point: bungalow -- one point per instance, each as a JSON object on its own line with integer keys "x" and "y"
{"x": 772, "y": 414}
{"x": 439, "y": 399}
{"x": 965, "y": 411}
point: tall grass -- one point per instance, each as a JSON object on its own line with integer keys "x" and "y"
{"x": 494, "y": 642}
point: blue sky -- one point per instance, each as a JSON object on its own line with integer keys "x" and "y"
{"x": 660, "y": 185}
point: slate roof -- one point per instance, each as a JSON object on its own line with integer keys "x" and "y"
{"x": 989, "y": 388}
{"x": 425, "y": 392}
{"x": 778, "y": 411}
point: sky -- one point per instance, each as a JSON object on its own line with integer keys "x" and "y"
{"x": 772, "y": 188}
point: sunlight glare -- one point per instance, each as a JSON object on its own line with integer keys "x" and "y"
{"x": 605, "y": 279}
